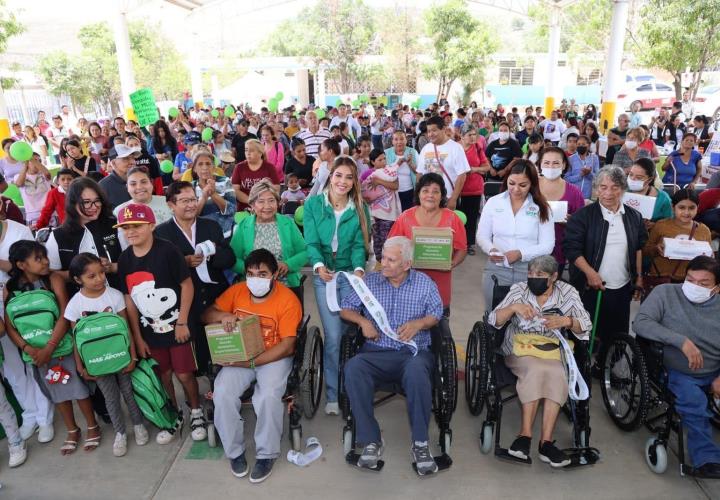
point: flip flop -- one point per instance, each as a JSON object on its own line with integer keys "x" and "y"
{"x": 70, "y": 446}
{"x": 92, "y": 442}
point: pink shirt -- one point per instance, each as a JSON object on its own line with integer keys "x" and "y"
{"x": 276, "y": 156}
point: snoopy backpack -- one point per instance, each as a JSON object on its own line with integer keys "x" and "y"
{"x": 34, "y": 314}
{"x": 151, "y": 397}
{"x": 103, "y": 342}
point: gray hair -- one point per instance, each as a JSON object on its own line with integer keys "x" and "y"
{"x": 260, "y": 187}
{"x": 405, "y": 244}
{"x": 616, "y": 175}
{"x": 543, "y": 264}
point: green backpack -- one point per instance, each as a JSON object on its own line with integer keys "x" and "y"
{"x": 103, "y": 342}
{"x": 34, "y": 314}
{"x": 151, "y": 397}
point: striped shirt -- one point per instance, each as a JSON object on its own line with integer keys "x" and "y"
{"x": 313, "y": 141}
{"x": 415, "y": 298}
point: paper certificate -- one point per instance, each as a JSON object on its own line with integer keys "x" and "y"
{"x": 559, "y": 210}
{"x": 643, "y": 204}
{"x": 684, "y": 249}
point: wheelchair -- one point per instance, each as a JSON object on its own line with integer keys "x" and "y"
{"x": 444, "y": 390}
{"x": 487, "y": 376}
{"x": 635, "y": 392}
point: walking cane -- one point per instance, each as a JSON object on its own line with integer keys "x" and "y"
{"x": 595, "y": 321}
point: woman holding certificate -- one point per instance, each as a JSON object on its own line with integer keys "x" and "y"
{"x": 515, "y": 226}
{"x": 682, "y": 226}
{"x": 641, "y": 180}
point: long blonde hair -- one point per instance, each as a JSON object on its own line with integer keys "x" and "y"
{"x": 354, "y": 194}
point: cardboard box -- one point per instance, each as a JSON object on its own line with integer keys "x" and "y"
{"x": 433, "y": 248}
{"x": 242, "y": 344}
{"x": 684, "y": 249}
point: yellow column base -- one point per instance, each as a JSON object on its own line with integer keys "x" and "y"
{"x": 549, "y": 106}
{"x": 130, "y": 114}
{"x": 4, "y": 133}
{"x": 607, "y": 117}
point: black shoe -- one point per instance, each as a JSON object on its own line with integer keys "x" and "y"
{"x": 471, "y": 250}
{"x": 239, "y": 466}
{"x": 520, "y": 447}
{"x": 709, "y": 470}
{"x": 550, "y": 454}
{"x": 262, "y": 470}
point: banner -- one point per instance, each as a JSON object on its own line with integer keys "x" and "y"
{"x": 143, "y": 102}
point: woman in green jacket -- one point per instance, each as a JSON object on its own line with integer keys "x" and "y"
{"x": 273, "y": 231}
{"x": 336, "y": 225}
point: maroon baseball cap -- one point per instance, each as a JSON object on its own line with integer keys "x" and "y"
{"x": 135, "y": 213}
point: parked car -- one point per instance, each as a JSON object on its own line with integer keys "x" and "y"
{"x": 650, "y": 95}
{"x": 707, "y": 102}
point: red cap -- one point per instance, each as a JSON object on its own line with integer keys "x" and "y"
{"x": 135, "y": 213}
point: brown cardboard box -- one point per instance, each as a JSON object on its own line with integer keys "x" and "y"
{"x": 433, "y": 248}
{"x": 242, "y": 344}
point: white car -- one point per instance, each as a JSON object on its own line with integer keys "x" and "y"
{"x": 707, "y": 102}
{"x": 650, "y": 95}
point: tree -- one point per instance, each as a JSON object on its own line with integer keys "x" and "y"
{"x": 9, "y": 27}
{"x": 460, "y": 45}
{"x": 398, "y": 29}
{"x": 679, "y": 36}
{"x": 67, "y": 75}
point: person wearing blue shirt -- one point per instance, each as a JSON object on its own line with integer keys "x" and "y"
{"x": 583, "y": 167}
{"x": 183, "y": 161}
{"x": 412, "y": 304}
{"x": 684, "y": 165}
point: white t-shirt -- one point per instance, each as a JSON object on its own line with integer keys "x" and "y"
{"x": 87, "y": 244}
{"x": 614, "y": 266}
{"x": 79, "y": 305}
{"x": 452, "y": 156}
{"x": 552, "y": 129}
{"x": 15, "y": 232}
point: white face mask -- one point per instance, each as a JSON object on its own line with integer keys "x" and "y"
{"x": 551, "y": 173}
{"x": 259, "y": 287}
{"x": 631, "y": 144}
{"x": 695, "y": 293}
{"x": 634, "y": 185}
{"x": 504, "y": 136}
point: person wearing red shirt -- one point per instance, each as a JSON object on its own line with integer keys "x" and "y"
{"x": 55, "y": 201}
{"x": 250, "y": 171}
{"x": 474, "y": 187}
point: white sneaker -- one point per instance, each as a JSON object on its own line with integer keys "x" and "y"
{"x": 120, "y": 445}
{"x": 46, "y": 434}
{"x": 198, "y": 425}
{"x": 27, "y": 430}
{"x": 332, "y": 409}
{"x": 141, "y": 435}
{"x": 18, "y": 454}
{"x": 166, "y": 436}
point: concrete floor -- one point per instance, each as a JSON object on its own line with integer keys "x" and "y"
{"x": 185, "y": 469}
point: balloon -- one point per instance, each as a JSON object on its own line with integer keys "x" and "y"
{"x": 356, "y": 103}
{"x": 229, "y": 111}
{"x": 273, "y": 105}
{"x": 13, "y": 192}
{"x": 320, "y": 113}
{"x": 173, "y": 112}
{"x": 462, "y": 216}
{"x": 338, "y": 102}
{"x": 214, "y": 113}
{"x": 299, "y": 214}
{"x": 21, "y": 151}
{"x": 217, "y": 161}
{"x": 240, "y": 216}
{"x": 364, "y": 98}
{"x": 166, "y": 166}
{"x": 207, "y": 134}
{"x": 279, "y": 96}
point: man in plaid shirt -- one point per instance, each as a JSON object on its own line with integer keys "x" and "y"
{"x": 413, "y": 306}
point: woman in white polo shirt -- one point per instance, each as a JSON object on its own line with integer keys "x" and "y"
{"x": 515, "y": 226}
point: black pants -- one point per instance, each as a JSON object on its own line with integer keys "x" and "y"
{"x": 470, "y": 205}
{"x": 614, "y": 317}
{"x": 407, "y": 199}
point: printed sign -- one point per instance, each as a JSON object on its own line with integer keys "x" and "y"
{"x": 433, "y": 248}
{"x": 143, "y": 102}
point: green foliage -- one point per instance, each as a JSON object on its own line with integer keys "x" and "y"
{"x": 9, "y": 26}
{"x": 67, "y": 75}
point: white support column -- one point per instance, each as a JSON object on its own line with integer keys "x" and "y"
{"x": 553, "y": 56}
{"x": 611, "y": 80}
{"x": 122, "y": 47}
{"x": 195, "y": 70}
{"x": 320, "y": 90}
{"x": 215, "y": 90}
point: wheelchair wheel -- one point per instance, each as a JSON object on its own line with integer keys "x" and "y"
{"x": 656, "y": 455}
{"x": 473, "y": 382}
{"x": 348, "y": 348}
{"x": 447, "y": 389}
{"x": 486, "y": 438}
{"x": 625, "y": 383}
{"x": 348, "y": 440}
{"x": 714, "y": 405}
{"x": 212, "y": 436}
{"x": 311, "y": 380}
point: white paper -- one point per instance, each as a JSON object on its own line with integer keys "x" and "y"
{"x": 684, "y": 249}
{"x": 559, "y": 210}
{"x": 643, "y": 204}
{"x": 331, "y": 294}
{"x": 206, "y": 249}
{"x": 504, "y": 263}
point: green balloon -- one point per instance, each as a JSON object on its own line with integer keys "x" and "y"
{"x": 229, "y": 111}
{"x": 279, "y": 96}
{"x": 21, "y": 151}
{"x": 214, "y": 113}
{"x": 13, "y": 192}
{"x": 338, "y": 102}
{"x": 299, "y": 214}
{"x": 462, "y": 216}
{"x": 240, "y": 216}
{"x": 207, "y": 134}
{"x": 356, "y": 103}
{"x": 173, "y": 112}
{"x": 166, "y": 166}
{"x": 320, "y": 113}
{"x": 364, "y": 98}
{"x": 273, "y": 105}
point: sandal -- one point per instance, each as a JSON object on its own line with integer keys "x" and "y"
{"x": 92, "y": 442}
{"x": 69, "y": 447}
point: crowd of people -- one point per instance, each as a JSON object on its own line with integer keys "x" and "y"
{"x": 172, "y": 229}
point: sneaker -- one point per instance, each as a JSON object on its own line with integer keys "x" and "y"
{"x": 120, "y": 445}
{"x": 46, "y": 434}
{"x": 165, "y": 436}
{"x": 239, "y": 466}
{"x": 18, "y": 454}
{"x": 709, "y": 470}
{"x": 262, "y": 470}
{"x": 141, "y": 435}
{"x": 27, "y": 430}
{"x": 471, "y": 250}
{"x": 550, "y": 454}
{"x": 198, "y": 425}
{"x": 520, "y": 447}
{"x": 332, "y": 409}
{"x": 424, "y": 461}
{"x": 370, "y": 455}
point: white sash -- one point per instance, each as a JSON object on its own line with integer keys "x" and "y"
{"x": 577, "y": 388}
{"x": 369, "y": 301}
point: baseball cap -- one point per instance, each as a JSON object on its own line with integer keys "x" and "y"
{"x": 192, "y": 138}
{"x": 122, "y": 151}
{"x": 227, "y": 157}
{"x": 135, "y": 213}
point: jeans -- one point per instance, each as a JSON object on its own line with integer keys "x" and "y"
{"x": 377, "y": 141}
{"x": 333, "y": 329}
{"x": 692, "y": 405}
{"x": 407, "y": 199}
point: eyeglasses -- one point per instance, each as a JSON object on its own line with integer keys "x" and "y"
{"x": 97, "y": 203}
{"x": 186, "y": 201}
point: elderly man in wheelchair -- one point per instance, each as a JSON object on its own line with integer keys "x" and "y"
{"x": 535, "y": 312}
{"x": 684, "y": 319}
{"x": 396, "y": 324}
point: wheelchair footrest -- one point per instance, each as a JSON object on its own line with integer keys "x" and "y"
{"x": 582, "y": 456}
{"x": 503, "y": 454}
{"x": 443, "y": 462}
{"x": 352, "y": 459}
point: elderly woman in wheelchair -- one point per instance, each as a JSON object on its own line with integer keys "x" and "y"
{"x": 535, "y": 312}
